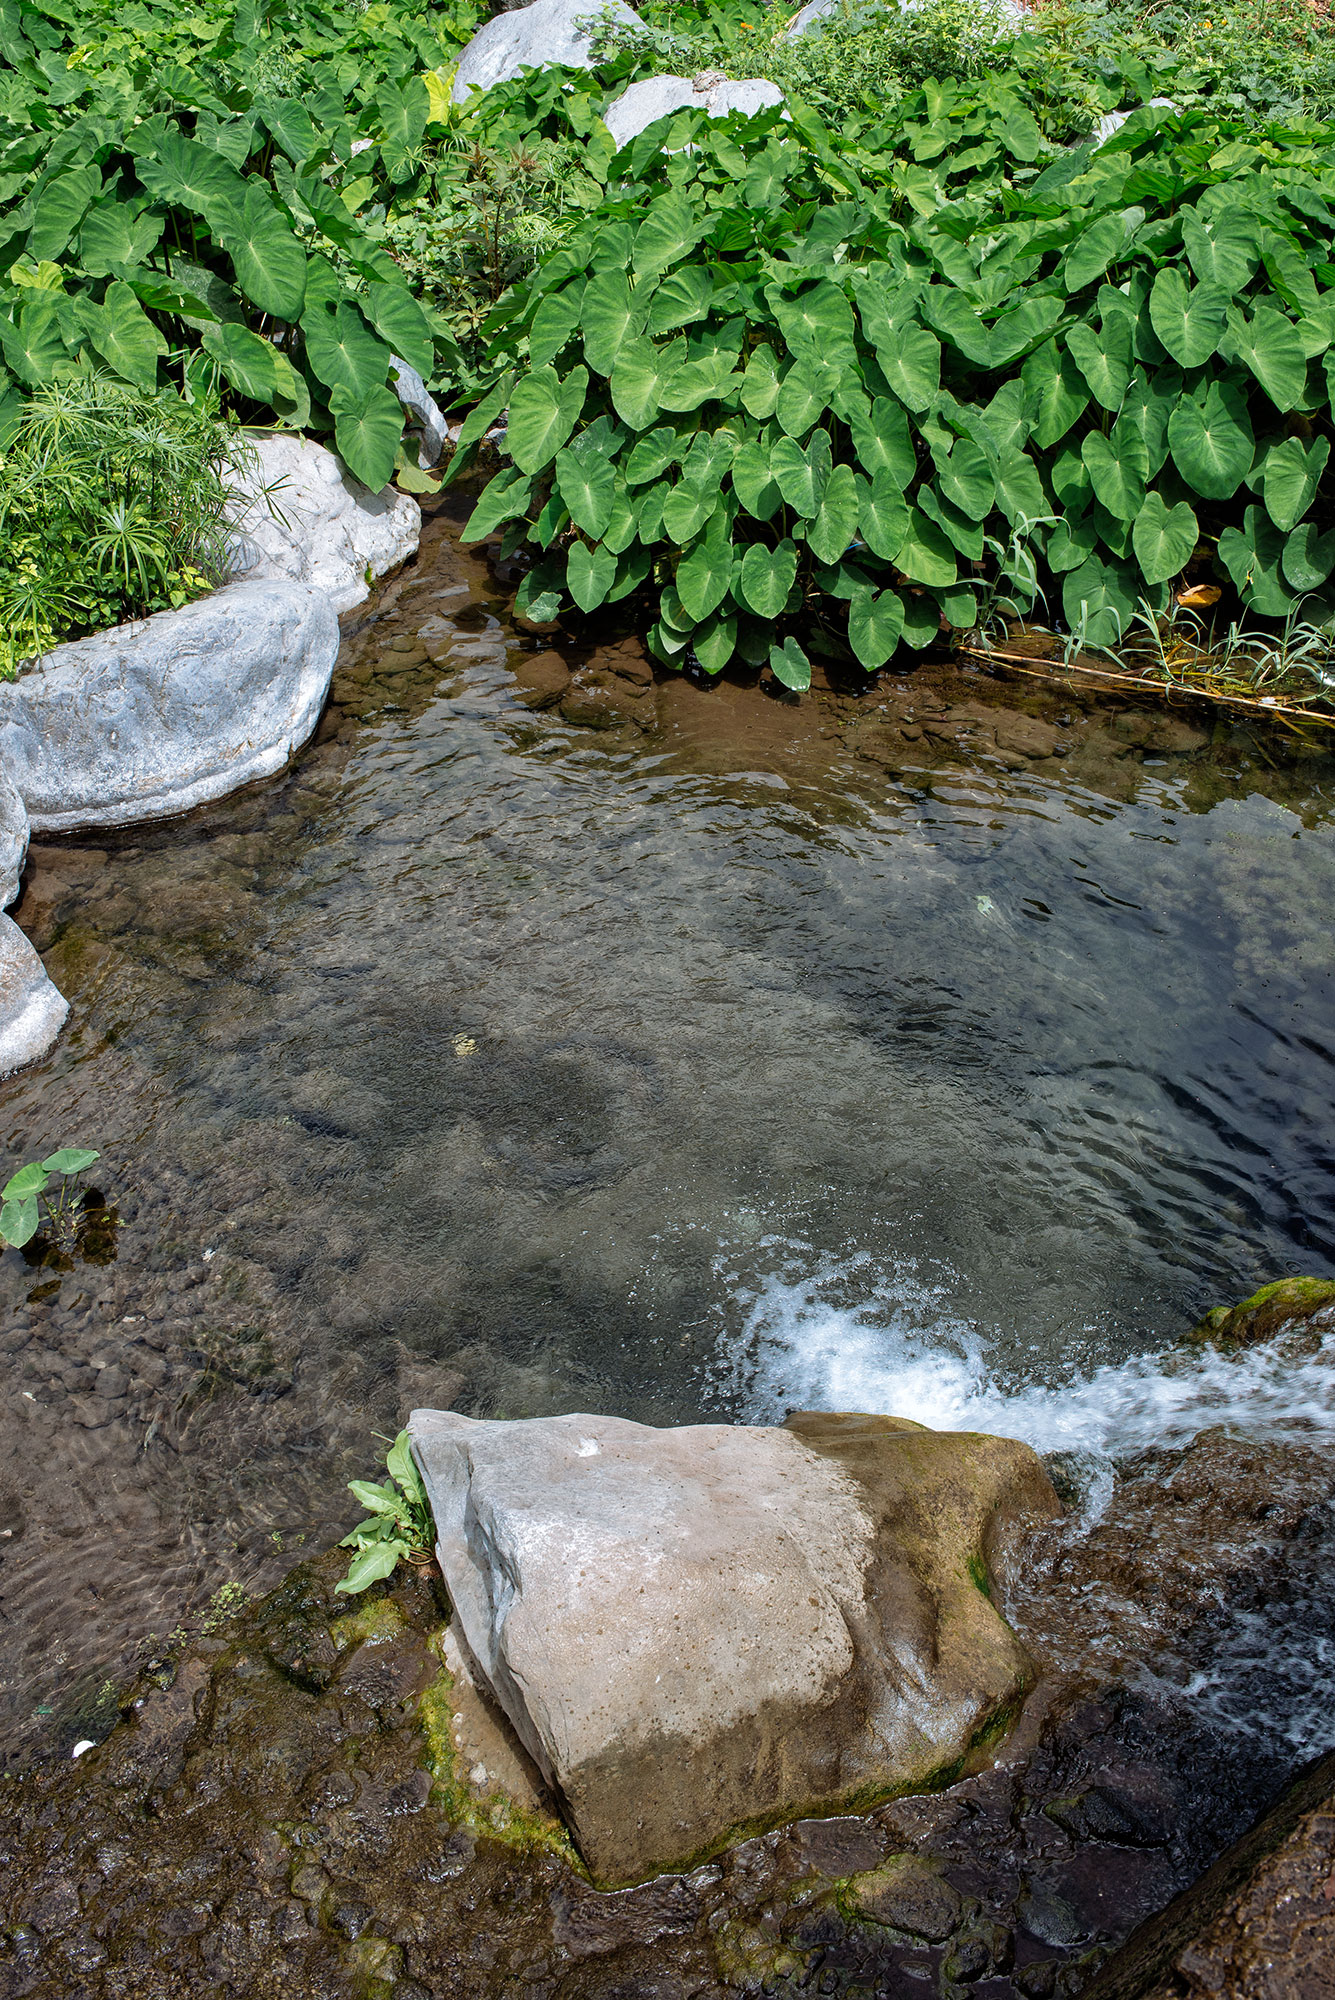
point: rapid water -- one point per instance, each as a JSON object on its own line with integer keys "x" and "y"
{"x": 481, "y": 1059}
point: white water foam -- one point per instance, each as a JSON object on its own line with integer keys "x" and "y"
{"x": 839, "y": 1335}
{"x": 847, "y": 1335}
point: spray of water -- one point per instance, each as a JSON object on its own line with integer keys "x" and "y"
{"x": 848, "y": 1335}
{"x": 839, "y": 1335}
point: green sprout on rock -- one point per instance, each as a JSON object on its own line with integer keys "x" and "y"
{"x": 398, "y": 1525}
{"x": 29, "y": 1199}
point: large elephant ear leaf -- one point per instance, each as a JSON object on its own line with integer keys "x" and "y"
{"x": 399, "y": 319}
{"x": 543, "y": 410}
{"x": 590, "y": 574}
{"x": 269, "y": 262}
{"x": 249, "y": 363}
{"x": 344, "y": 353}
{"x": 114, "y": 237}
{"x": 367, "y": 433}
{"x": 32, "y": 344}
{"x": 188, "y": 175}
{"x": 124, "y": 335}
{"x": 58, "y": 210}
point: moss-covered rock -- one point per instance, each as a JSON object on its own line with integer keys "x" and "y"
{"x": 1287, "y": 1303}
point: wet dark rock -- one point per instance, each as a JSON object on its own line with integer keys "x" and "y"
{"x": 543, "y": 678}
{"x": 1259, "y": 1923}
{"x": 908, "y": 1894}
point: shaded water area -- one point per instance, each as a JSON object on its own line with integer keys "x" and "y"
{"x": 695, "y": 1070}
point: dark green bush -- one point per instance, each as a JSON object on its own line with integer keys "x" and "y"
{"x": 794, "y": 394}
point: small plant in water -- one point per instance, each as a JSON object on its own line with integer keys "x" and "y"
{"x": 31, "y": 1201}
{"x": 398, "y": 1524}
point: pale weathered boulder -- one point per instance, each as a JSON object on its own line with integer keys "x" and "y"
{"x": 1113, "y": 121}
{"x": 424, "y": 410}
{"x": 533, "y": 37}
{"x": 1001, "y": 17}
{"x": 32, "y": 1011}
{"x": 158, "y": 716}
{"x": 703, "y": 1631}
{"x": 300, "y": 514}
{"x": 655, "y": 97}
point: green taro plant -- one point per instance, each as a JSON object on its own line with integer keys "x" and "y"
{"x": 791, "y": 392}
{"x": 398, "y": 1525}
{"x": 42, "y": 1196}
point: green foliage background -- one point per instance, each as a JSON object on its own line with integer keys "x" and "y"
{"x": 911, "y": 354}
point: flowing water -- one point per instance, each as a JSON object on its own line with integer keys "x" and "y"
{"x": 486, "y": 1059}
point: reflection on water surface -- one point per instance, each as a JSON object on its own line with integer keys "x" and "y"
{"x": 480, "y": 1058}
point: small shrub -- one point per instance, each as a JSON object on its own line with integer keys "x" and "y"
{"x": 113, "y": 504}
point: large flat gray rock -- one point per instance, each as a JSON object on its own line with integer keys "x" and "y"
{"x": 655, "y": 97}
{"x": 702, "y": 1631}
{"x": 156, "y": 717}
{"x": 532, "y": 37}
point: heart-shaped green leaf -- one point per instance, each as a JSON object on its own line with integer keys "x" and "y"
{"x": 1189, "y": 320}
{"x": 705, "y": 573}
{"x": 967, "y": 479}
{"x": 543, "y": 410}
{"x": 125, "y": 336}
{"x": 367, "y": 433}
{"x": 1103, "y": 358}
{"x": 753, "y": 482}
{"x": 1271, "y": 346}
{"x": 1253, "y": 555}
{"x": 875, "y": 625}
{"x": 837, "y": 521}
{"x": 33, "y": 1179}
{"x": 800, "y": 474}
{"x": 883, "y": 443}
{"x": 1163, "y": 538}
{"x": 587, "y": 484}
{"x": 1098, "y": 600}
{"x": 715, "y": 641}
{"x": 635, "y": 381}
{"x": 789, "y": 664}
{"x": 343, "y": 351}
{"x": 1292, "y": 473}
{"x": 883, "y": 514}
{"x": 1309, "y": 557}
{"x": 1212, "y": 441}
{"x": 766, "y": 576}
{"x": 70, "y": 1160}
{"x": 590, "y": 574}
{"x": 925, "y": 554}
{"x": 269, "y": 262}
{"x": 1118, "y": 469}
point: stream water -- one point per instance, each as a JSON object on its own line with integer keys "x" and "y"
{"x": 482, "y": 1058}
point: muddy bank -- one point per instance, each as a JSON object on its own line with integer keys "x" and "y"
{"x": 282, "y": 1811}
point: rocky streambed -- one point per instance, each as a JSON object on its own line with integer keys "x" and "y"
{"x": 554, "y": 1035}
{"x": 298, "y": 1803}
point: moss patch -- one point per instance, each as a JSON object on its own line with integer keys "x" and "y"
{"x": 488, "y": 1813}
{"x": 1288, "y": 1302}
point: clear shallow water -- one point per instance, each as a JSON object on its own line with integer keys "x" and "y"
{"x": 478, "y": 1058}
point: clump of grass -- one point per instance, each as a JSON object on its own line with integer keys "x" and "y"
{"x": 113, "y": 504}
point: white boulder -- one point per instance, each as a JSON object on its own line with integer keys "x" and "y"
{"x": 158, "y": 716}
{"x": 1113, "y": 121}
{"x": 32, "y": 1011}
{"x": 701, "y": 1631}
{"x": 1004, "y": 17}
{"x": 303, "y": 516}
{"x": 532, "y": 37}
{"x": 655, "y": 97}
